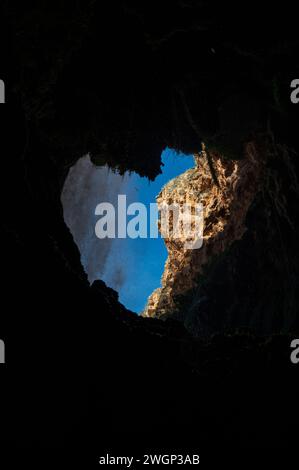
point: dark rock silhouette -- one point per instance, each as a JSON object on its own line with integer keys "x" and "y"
{"x": 122, "y": 82}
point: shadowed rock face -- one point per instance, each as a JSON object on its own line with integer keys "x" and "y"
{"x": 189, "y": 275}
{"x": 224, "y": 211}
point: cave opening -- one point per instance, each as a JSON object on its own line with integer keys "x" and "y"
{"x": 131, "y": 266}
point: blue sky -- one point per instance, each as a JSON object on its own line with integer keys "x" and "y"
{"x": 133, "y": 267}
{"x": 142, "y": 258}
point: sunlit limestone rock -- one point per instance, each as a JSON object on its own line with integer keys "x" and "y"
{"x": 224, "y": 211}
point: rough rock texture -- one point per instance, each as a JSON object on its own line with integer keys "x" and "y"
{"x": 225, "y": 208}
{"x": 224, "y": 211}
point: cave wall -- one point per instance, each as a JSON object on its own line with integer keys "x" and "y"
{"x": 245, "y": 275}
{"x": 122, "y": 82}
